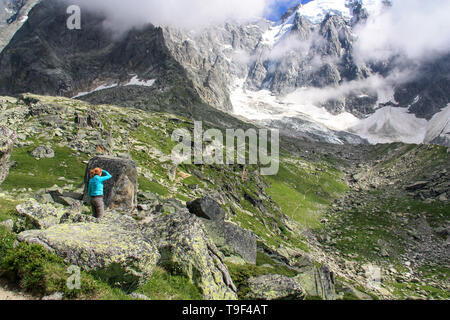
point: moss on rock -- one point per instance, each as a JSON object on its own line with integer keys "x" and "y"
{"x": 99, "y": 246}
{"x": 186, "y": 249}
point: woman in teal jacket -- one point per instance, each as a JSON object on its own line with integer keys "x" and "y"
{"x": 96, "y": 191}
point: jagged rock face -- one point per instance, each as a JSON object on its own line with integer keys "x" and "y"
{"x": 320, "y": 56}
{"x": 6, "y": 146}
{"x": 428, "y": 93}
{"x": 194, "y": 70}
{"x": 185, "y": 247}
{"x": 120, "y": 192}
{"x": 211, "y": 57}
{"x": 46, "y": 57}
{"x": 12, "y": 15}
{"x": 318, "y": 282}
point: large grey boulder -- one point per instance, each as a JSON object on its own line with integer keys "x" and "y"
{"x": 206, "y": 208}
{"x": 6, "y": 146}
{"x": 186, "y": 248}
{"x": 229, "y": 238}
{"x": 274, "y": 287}
{"x": 113, "y": 245}
{"x": 232, "y": 240}
{"x": 317, "y": 282}
{"x": 120, "y": 192}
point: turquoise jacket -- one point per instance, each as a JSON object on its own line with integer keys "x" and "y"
{"x": 96, "y": 184}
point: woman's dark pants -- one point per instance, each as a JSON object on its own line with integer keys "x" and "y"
{"x": 98, "y": 207}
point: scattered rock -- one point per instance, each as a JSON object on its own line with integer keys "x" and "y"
{"x": 55, "y": 297}
{"x": 6, "y": 146}
{"x": 274, "y": 287}
{"x": 147, "y": 196}
{"x": 416, "y": 186}
{"x": 443, "y": 232}
{"x": 171, "y": 206}
{"x": 65, "y": 198}
{"x": 355, "y": 292}
{"x": 42, "y": 152}
{"x": 139, "y": 296}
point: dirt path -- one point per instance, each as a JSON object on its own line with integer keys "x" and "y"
{"x": 8, "y": 293}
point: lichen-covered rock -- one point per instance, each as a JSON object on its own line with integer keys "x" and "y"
{"x": 76, "y": 217}
{"x": 186, "y": 248}
{"x": 106, "y": 246}
{"x": 42, "y": 152}
{"x": 317, "y": 282}
{"x": 274, "y": 287}
{"x": 120, "y": 192}
{"x": 6, "y": 146}
{"x": 206, "y": 208}
{"x": 43, "y": 216}
{"x": 8, "y": 224}
{"x": 232, "y": 240}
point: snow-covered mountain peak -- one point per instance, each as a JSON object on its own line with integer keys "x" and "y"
{"x": 316, "y": 10}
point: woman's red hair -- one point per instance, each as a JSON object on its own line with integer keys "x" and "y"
{"x": 96, "y": 172}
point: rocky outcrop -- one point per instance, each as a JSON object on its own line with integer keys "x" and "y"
{"x": 13, "y": 14}
{"x": 111, "y": 247}
{"x": 274, "y": 287}
{"x": 42, "y": 216}
{"x": 317, "y": 282}
{"x": 120, "y": 192}
{"x": 6, "y": 146}
{"x": 186, "y": 248}
{"x": 229, "y": 238}
{"x": 232, "y": 240}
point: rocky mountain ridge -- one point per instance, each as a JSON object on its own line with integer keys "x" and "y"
{"x": 269, "y": 73}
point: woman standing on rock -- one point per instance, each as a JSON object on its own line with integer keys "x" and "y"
{"x": 96, "y": 191}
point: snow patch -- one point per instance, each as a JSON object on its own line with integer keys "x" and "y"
{"x": 133, "y": 82}
{"x": 275, "y": 33}
{"x": 391, "y": 124}
{"x": 136, "y": 82}
{"x": 102, "y": 87}
{"x": 439, "y": 125}
{"x": 263, "y": 105}
{"x": 388, "y": 124}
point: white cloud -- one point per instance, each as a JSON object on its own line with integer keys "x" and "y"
{"x": 416, "y": 29}
{"x": 122, "y": 15}
{"x": 374, "y": 85}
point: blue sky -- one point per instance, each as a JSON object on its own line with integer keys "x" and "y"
{"x": 281, "y": 6}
